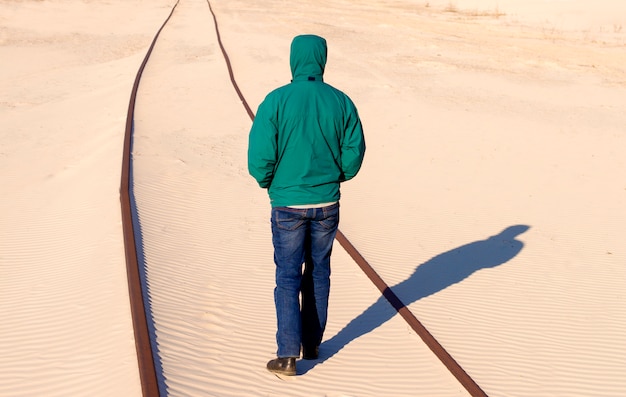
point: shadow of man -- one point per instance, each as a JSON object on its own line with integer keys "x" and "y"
{"x": 436, "y": 274}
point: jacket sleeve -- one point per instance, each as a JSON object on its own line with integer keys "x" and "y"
{"x": 353, "y": 145}
{"x": 262, "y": 145}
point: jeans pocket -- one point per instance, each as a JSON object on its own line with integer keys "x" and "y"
{"x": 287, "y": 220}
{"x": 331, "y": 218}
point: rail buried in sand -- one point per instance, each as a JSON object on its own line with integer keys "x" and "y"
{"x": 145, "y": 355}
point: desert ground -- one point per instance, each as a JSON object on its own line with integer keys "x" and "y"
{"x": 492, "y": 198}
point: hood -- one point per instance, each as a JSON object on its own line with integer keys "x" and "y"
{"x": 308, "y": 57}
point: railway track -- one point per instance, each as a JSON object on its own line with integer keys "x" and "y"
{"x": 145, "y": 355}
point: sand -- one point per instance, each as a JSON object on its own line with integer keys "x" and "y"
{"x": 491, "y": 198}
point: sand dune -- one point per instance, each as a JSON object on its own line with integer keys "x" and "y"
{"x": 64, "y": 90}
{"x": 491, "y": 198}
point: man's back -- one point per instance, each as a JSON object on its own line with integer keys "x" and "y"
{"x": 307, "y": 137}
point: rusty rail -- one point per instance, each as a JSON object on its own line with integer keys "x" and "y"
{"x": 430, "y": 341}
{"x": 456, "y": 370}
{"x": 145, "y": 356}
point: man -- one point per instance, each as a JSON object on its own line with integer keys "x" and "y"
{"x": 305, "y": 140}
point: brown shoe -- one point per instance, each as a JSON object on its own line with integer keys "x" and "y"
{"x": 282, "y": 366}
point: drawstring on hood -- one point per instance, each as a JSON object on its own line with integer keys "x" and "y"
{"x": 308, "y": 58}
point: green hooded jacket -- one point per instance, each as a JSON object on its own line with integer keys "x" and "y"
{"x": 306, "y": 137}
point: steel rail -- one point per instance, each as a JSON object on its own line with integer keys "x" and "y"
{"x": 140, "y": 324}
{"x": 459, "y": 373}
{"x": 145, "y": 355}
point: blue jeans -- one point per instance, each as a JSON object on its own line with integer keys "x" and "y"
{"x": 302, "y": 236}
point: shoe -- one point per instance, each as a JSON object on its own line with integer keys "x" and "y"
{"x": 310, "y": 352}
{"x": 282, "y": 366}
